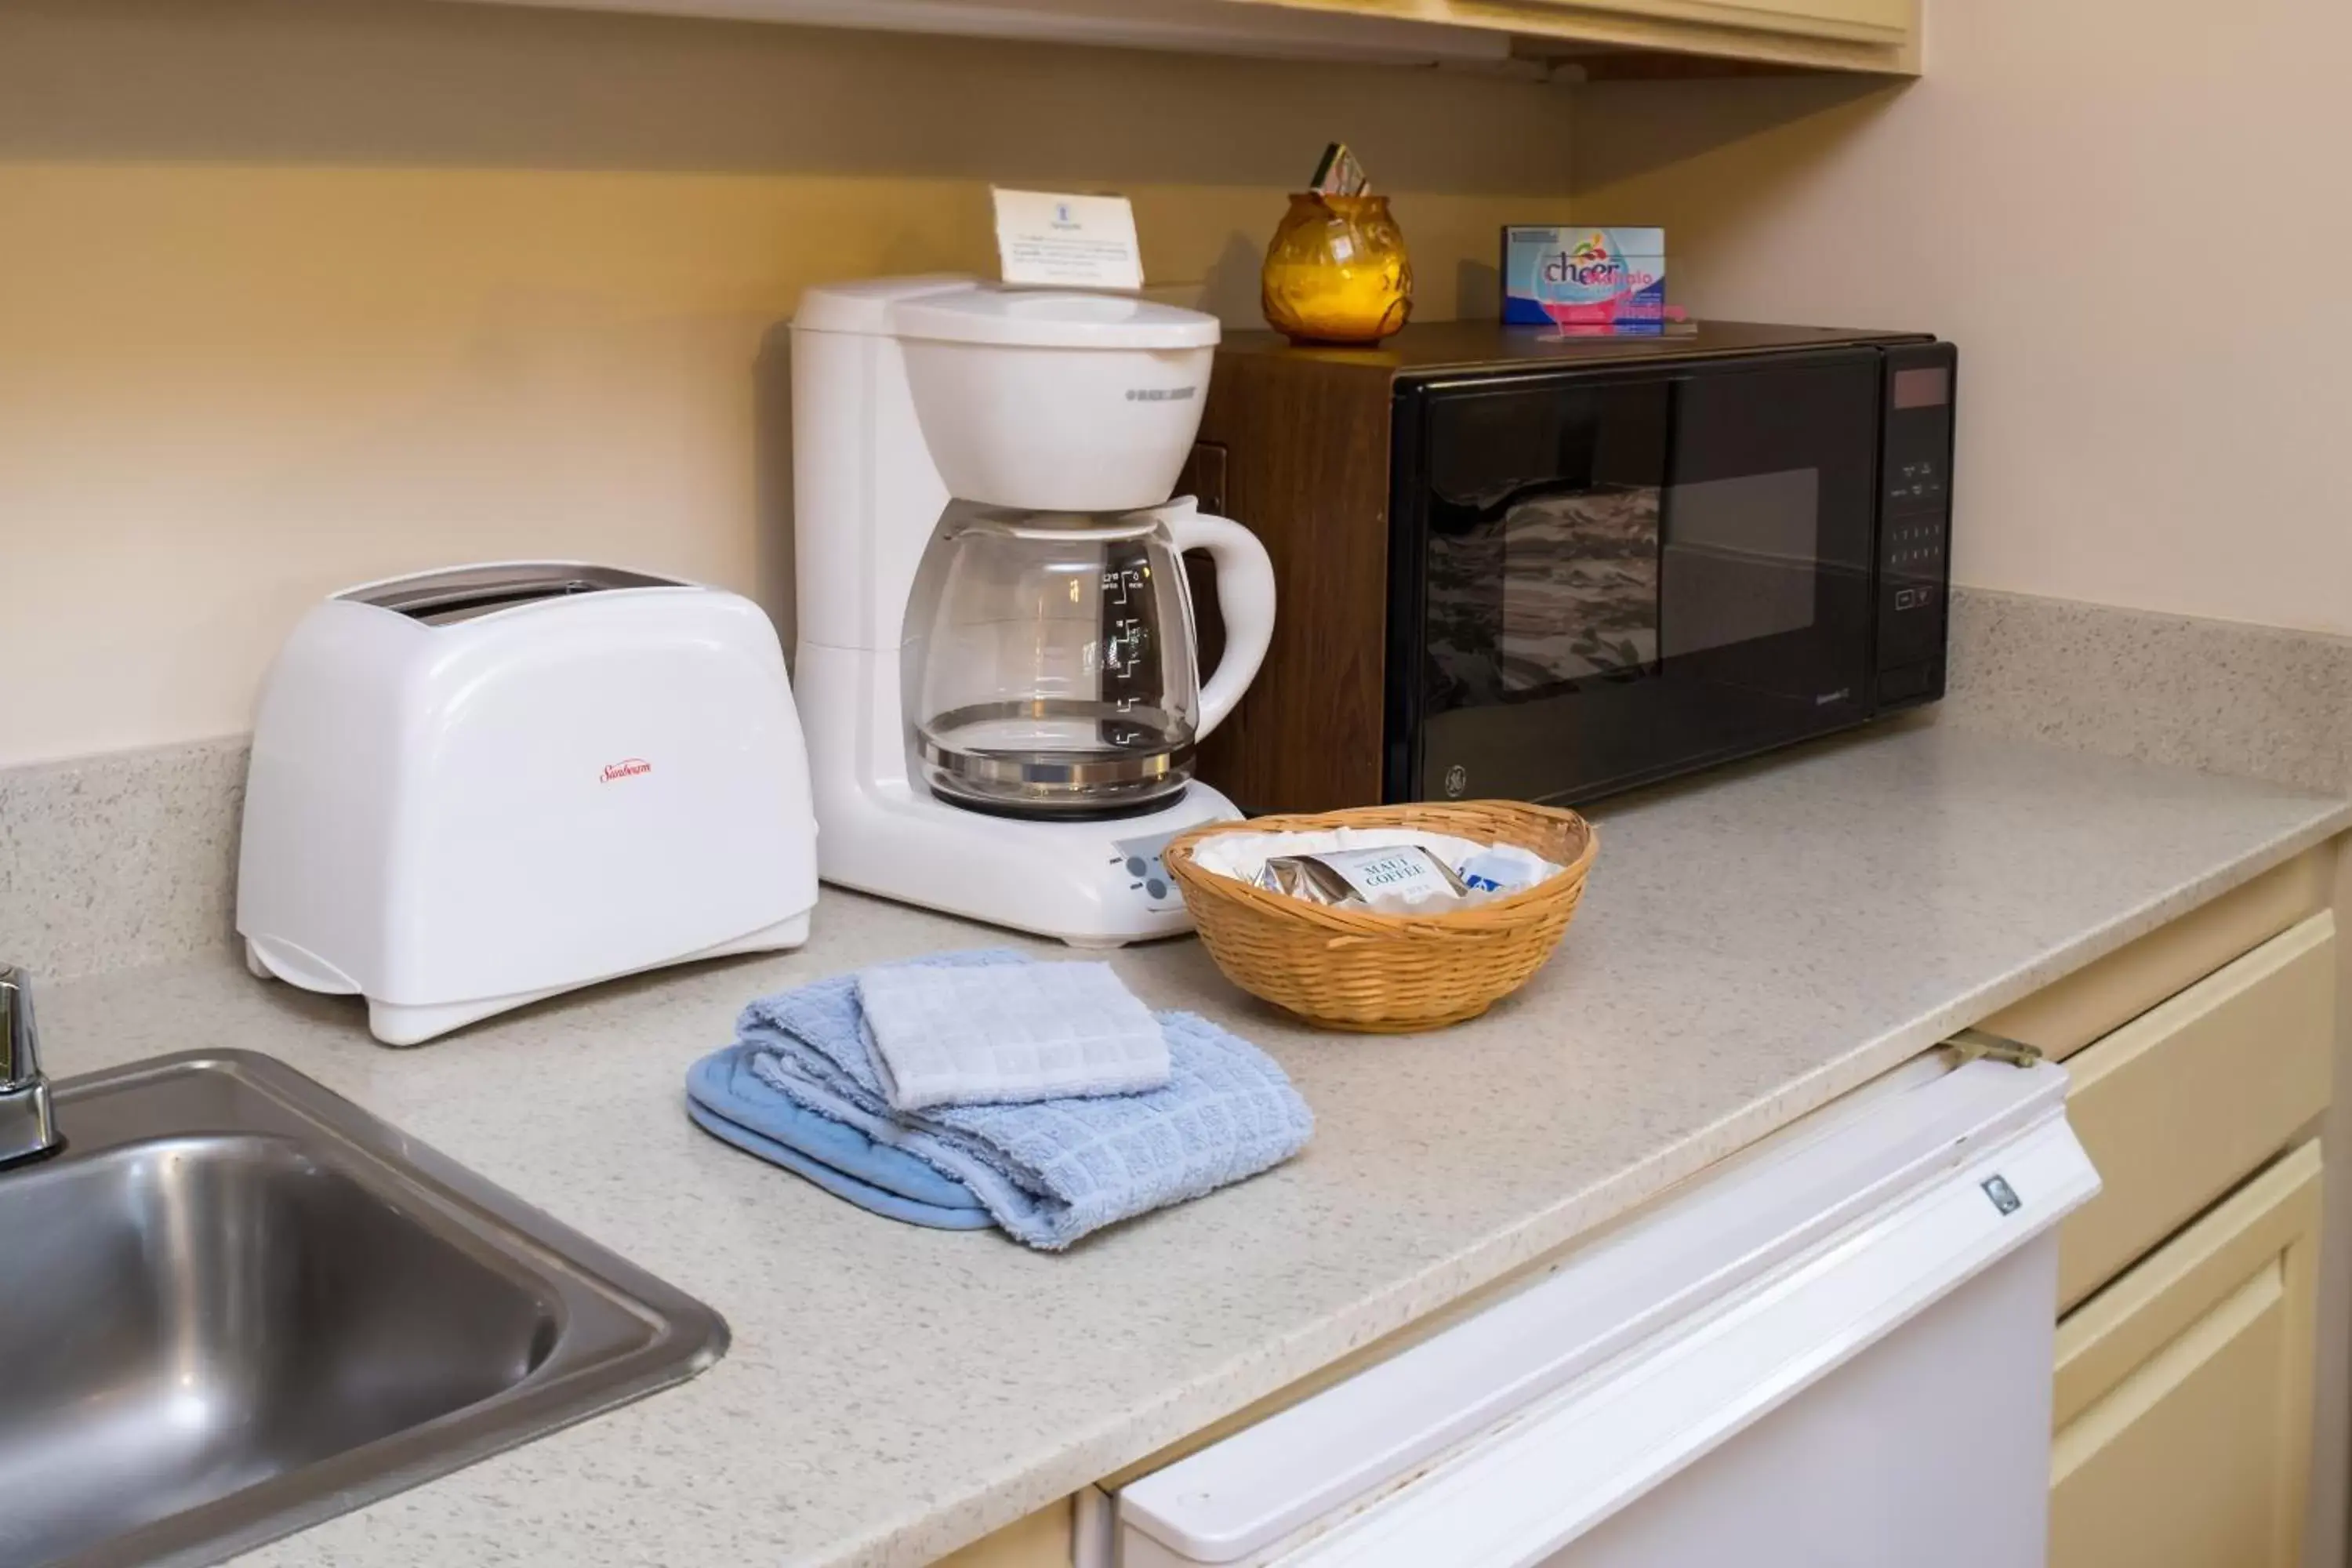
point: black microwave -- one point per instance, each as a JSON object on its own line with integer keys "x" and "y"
{"x": 1512, "y": 564}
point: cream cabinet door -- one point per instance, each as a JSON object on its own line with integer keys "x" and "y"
{"x": 2183, "y": 1397}
{"x": 2179, "y": 1104}
{"x": 1870, "y": 21}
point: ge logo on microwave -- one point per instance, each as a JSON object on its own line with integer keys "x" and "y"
{"x": 1458, "y": 779}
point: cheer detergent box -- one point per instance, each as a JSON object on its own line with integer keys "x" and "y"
{"x": 1585, "y": 277}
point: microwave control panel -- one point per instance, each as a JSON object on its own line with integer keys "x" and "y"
{"x": 1914, "y": 521}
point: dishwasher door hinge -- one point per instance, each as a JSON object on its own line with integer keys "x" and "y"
{"x": 1970, "y": 1045}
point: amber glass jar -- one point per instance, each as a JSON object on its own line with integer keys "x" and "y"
{"x": 1336, "y": 270}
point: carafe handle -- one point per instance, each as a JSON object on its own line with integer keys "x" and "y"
{"x": 1244, "y": 597}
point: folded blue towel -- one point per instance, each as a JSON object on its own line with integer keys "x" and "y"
{"x": 1050, "y": 1171}
{"x": 729, "y": 1102}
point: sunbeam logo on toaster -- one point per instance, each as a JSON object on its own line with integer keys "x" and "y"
{"x": 626, "y": 768}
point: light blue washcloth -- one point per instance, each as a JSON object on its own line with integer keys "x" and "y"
{"x": 1052, "y": 1171}
{"x": 729, "y": 1102}
{"x": 994, "y": 1033}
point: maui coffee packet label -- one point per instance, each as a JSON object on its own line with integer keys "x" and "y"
{"x": 1402, "y": 878}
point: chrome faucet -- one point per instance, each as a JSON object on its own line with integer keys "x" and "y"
{"x": 28, "y": 1129}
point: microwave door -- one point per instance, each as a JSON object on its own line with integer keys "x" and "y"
{"x": 1623, "y": 576}
{"x": 1766, "y": 606}
{"x": 1536, "y": 544}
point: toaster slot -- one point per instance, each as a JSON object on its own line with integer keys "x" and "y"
{"x": 460, "y": 593}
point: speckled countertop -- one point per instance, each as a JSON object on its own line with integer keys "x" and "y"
{"x": 1753, "y": 945}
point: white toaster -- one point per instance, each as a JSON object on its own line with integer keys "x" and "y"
{"x": 474, "y": 788}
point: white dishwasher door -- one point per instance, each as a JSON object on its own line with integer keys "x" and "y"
{"x": 1928, "y": 1450}
{"x": 1833, "y": 1352}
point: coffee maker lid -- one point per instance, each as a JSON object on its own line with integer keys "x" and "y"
{"x": 1050, "y": 318}
{"x": 863, "y": 307}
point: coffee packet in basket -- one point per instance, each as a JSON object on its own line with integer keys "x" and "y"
{"x": 1397, "y": 879}
{"x": 1391, "y": 870}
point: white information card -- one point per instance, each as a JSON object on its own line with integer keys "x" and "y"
{"x": 1075, "y": 242}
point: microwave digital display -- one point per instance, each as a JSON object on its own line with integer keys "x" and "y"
{"x": 1922, "y": 387}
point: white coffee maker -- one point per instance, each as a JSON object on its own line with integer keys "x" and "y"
{"x": 996, "y": 668}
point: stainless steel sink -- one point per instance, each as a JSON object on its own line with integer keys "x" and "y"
{"x": 236, "y": 1304}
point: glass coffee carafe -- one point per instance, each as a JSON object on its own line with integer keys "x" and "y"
{"x": 1058, "y": 673}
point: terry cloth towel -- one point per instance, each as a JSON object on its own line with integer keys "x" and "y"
{"x": 1051, "y": 1170}
{"x": 1001, "y": 1033}
{"x": 729, "y": 1101}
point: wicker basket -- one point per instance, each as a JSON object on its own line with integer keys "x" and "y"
{"x": 1352, "y": 969}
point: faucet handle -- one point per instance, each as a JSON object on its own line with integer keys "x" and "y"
{"x": 28, "y": 1129}
{"x": 20, "y": 1038}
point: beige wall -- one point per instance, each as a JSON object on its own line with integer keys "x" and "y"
{"x": 292, "y": 294}
{"x": 2131, "y": 215}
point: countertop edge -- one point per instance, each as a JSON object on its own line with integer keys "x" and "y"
{"x": 1002, "y": 1500}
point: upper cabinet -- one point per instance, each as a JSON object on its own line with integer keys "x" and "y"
{"x": 1873, "y": 21}
{"x": 1592, "y": 37}
{"x": 1661, "y": 37}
